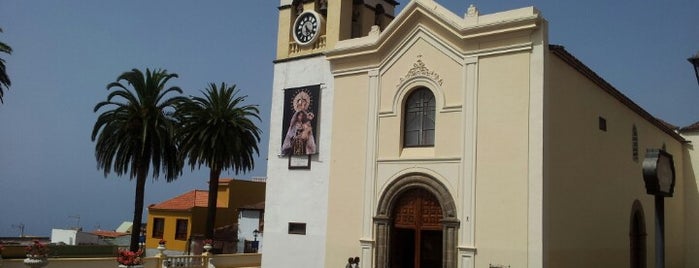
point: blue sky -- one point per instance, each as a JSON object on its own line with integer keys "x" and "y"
{"x": 66, "y": 52}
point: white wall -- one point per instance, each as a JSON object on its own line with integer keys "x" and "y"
{"x": 248, "y": 222}
{"x": 63, "y": 236}
{"x": 73, "y": 237}
{"x": 298, "y": 195}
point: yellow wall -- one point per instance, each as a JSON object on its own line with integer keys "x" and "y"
{"x": 170, "y": 218}
{"x": 337, "y": 26}
{"x": 691, "y": 191}
{"x": 501, "y": 199}
{"x": 392, "y": 99}
{"x": 592, "y": 180}
{"x": 502, "y": 80}
{"x": 502, "y": 159}
{"x": 237, "y": 192}
{"x": 347, "y": 174}
{"x": 245, "y": 193}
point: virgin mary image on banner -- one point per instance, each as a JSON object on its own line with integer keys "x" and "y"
{"x": 300, "y": 121}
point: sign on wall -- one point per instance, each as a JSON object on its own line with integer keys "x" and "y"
{"x": 300, "y": 121}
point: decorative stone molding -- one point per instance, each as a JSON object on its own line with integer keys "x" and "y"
{"x": 420, "y": 70}
{"x": 375, "y": 31}
{"x": 382, "y": 220}
{"x": 472, "y": 11}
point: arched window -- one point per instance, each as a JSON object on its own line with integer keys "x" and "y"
{"x": 634, "y": 143}
{"x": 322, "y": 7}
{"x": 637, "y": 236}
{"x": 419, "y": 116}
{"x": 357, "y": 7}
{"x": 378, "y": 16}
{"x": 298, "y": 8}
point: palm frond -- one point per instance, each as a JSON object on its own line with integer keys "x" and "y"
{"x": 4, "y": 78}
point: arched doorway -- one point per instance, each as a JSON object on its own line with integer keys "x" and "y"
{"x": 416, "y": 224}
{"x": 416, "y": 236}
{"x": 637, "y": 236}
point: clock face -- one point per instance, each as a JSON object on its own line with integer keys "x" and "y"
{"x": 306, "y": 28}
{"x": 665, "y": 173}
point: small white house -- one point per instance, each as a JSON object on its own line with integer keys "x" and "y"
{"x": 250, "y": 228}
{"x": 73, "y": 237}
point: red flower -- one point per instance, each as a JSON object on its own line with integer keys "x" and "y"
{"x": 127, "y": 257}
{"x": 38, "y": 250}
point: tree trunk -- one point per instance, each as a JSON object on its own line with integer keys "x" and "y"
{"x": 138, "y": 209}
{"x": 212, "y": 204}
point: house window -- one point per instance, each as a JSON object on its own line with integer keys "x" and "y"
{"x": 297, "y": 228}
{"x": 181, "y": 230}
{"x": 158, "y": 227}
{"x": 418, "y": 124}
{"x": 602, "y": 124}
{"x": 634, "y": 143}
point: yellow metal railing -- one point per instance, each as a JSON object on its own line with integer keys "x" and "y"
{"x": 295, "y": 48}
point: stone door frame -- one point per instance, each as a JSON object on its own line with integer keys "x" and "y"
{"x": 383, "y": 221}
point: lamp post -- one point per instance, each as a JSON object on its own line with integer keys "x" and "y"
{"x": 694, "y": 60}
{"x": 255, "y": 244}
{"x": 659, "y": 177}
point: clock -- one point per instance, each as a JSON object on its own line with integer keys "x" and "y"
{"x": 307, "y": 27}
{"x": 659, "y": 173}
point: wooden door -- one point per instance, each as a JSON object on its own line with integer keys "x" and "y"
{"x": 416, "y": 237}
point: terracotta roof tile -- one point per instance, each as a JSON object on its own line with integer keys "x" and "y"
{"x": 104, "y": 233}
{"x": 691, "y": 128}
{"x": 186, "y": 201}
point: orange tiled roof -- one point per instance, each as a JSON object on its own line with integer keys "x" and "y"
{"x": 691, "y": 128}
{"x": 104, "y": 233}
{"x": 186, "y": 201}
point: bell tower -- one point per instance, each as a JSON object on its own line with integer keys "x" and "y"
{"x": 325, "y": 22}
{"x": 301, "y": 120}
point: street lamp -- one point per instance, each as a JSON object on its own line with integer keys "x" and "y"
{"x": 659, "y": 177}
{"x": 255, "y": 244}
{"x": 694, "y": 60}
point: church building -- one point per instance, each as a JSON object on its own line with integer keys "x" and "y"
{"x": 433, "y": 139}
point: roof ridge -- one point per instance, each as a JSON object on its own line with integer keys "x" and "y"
{"x": 574, "y": 62}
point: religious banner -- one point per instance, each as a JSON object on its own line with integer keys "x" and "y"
{"x": 300, "y": 121}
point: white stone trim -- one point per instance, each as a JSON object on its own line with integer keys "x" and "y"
{"x": 467, "y": 189}
{"x": 370, "y": 200}
{"x": 409, "y": 85}
{"x": 536, "y": 151}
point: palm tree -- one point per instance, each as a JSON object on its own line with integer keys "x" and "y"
{"x": 137, "y": 133}
{"x": 4, "y": 79}
{"x": 217, "y": 131}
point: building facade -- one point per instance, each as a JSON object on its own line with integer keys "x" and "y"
{"x": 442, "y": 140}
{"x": 181, "y": 220}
